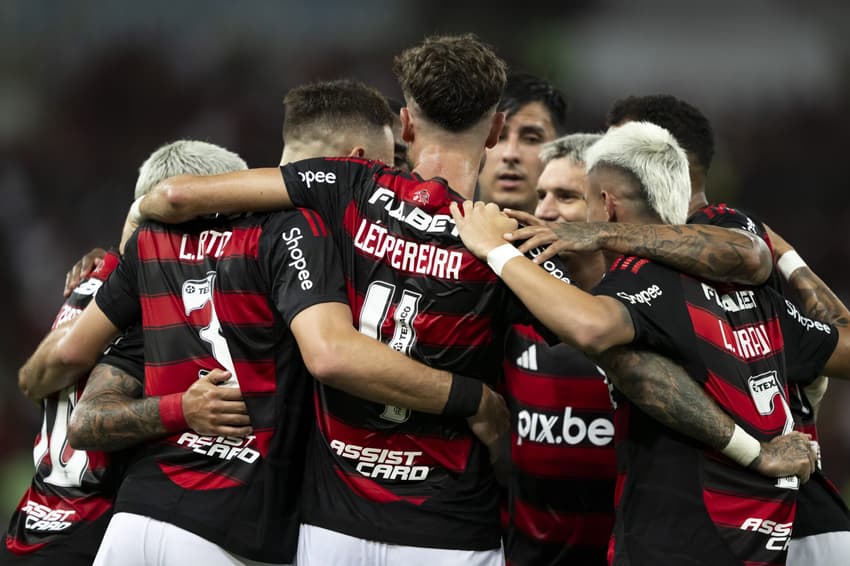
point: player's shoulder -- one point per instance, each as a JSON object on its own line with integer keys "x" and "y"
{"x": 723, "y": 215}
{"x": 633, "y": 274}
{"x": 302, "y": 220}
{"x": 635, "y": 266}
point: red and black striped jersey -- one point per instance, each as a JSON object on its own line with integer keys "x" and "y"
{"x": 220, "y": 293}
{"x": 561, "y": 491}
{"x": 63, "y": 514}
{"x": 386, "y": 473}
{"x": 678, "y": 501}
{"x": 820, "y": 507}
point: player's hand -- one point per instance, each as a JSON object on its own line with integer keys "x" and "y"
{"x": 557, "y": 237}
{"x": 82, "y": 269}
{"x": 481, "y": 226}
{"x": 780, "y": 246}
{"x": 213, "y": 409}
{"x": 790, "y": 454}
{"x": 491, "y": 422}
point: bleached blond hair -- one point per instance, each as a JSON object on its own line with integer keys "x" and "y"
{"x": 573, "y": 146}
{"x": 185, "y": 157}
{"x": 652, "y": 155}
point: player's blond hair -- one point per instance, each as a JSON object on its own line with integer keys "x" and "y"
{"x": 185, "y": 157}
{"x": 653, "y": 157}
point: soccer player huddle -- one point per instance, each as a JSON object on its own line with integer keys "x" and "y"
{"x": 306, "y": 364}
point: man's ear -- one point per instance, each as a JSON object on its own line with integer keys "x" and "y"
{"x": 610, "y": 204}
{"x": 357, "y": 151}
{"x": 496, "y": 126}
{"x": 406, "y": 125}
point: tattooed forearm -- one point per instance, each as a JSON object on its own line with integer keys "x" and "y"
{"x": 707, "y": 252}
{"x": 816, "y": 299}
{"x": 665, "y": 392}
{"x": 112, "y": 414}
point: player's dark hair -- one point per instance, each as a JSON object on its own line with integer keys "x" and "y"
{"x": 524, "y": 88}
{"x": 454, "y": 80}
{"x": 333, "y": 102}
{"x": 688, "y": 125}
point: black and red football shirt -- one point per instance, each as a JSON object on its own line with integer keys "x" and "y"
{"x": 386, "y": 473}
{"x": 679, "y": 502}
{"x": 561, "y": 491}
{"x": 220, "y": 293}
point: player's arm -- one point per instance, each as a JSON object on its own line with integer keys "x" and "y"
{"x": 815, "y": 298}
{"x": 591, "y": 323}
{"x": 341, "y": 357}
{"x": 184, "y": 197}
{"x": 663, "y": 390}
{"x": 113, "y": 413}
{"x": 66, "y": 353}
{"x": 707, "y": 252}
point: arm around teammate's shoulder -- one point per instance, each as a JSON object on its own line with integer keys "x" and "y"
{"x": 184, "y": 197}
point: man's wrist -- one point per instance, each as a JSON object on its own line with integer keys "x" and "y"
{"x": 742, "y": 448}
{"x": 171, "y": 412}
{"x": 464, "y": 397}
{"x": 788, "y": 263}
{"x": 500, "y": 255}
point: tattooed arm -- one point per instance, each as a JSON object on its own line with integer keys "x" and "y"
{"x": 813, "y": 295}
{"x": 707, "y": 252}
{"x": 664, "y": 391}
{"x": 113, "y": 413}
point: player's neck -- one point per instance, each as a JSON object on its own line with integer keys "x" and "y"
{"x": 457, "y": 165}
{"x": 698, "y": 202}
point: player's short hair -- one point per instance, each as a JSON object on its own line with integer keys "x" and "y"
{"x": 333, "y": 105}
{"x": 573, "y": 146}
{"x": 455, "y": 79}
{"x": 651, "y": 156}
{"x": 688, "y": 125}
{"x": 525, "y": 88}
{"x": 185, "y": 157}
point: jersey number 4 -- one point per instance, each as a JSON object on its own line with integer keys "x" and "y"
{"x": 374, "y": 312}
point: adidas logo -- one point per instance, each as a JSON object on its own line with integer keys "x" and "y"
{"x": 528, "y": 359}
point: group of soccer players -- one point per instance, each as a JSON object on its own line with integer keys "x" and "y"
{"x": 249, "y": 411}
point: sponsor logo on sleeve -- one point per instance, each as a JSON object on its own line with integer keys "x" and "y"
{"x": 297, "y": 259}
{"x": 318, "y": 177}
{"x": 805, "y": 321}
{"x": 644, "y": 297}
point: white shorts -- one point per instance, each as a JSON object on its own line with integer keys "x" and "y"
{"x": 825, "y": 549}
{"x": 135, "y": 540}
{"x": 322, "y": 547}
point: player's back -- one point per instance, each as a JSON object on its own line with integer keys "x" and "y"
{"x": 64, "y": 512}
{"x": 742, "y": 344}
{"x": 204, "y": 291}
{"x": 386, "y": 473}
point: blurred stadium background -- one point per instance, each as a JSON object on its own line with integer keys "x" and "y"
{"x": 89, "y": 88}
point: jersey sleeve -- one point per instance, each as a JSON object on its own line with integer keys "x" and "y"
{"x": 303, "y": 267}
{"x": 324, "y": 184}
{"x": 118, "y": 298}
{"x": 652, "y": 294}
{"x": 127, "y": 353}
{"x": 808, "y": 343}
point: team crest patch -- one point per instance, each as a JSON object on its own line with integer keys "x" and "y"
{"x": 422, "y": 196}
